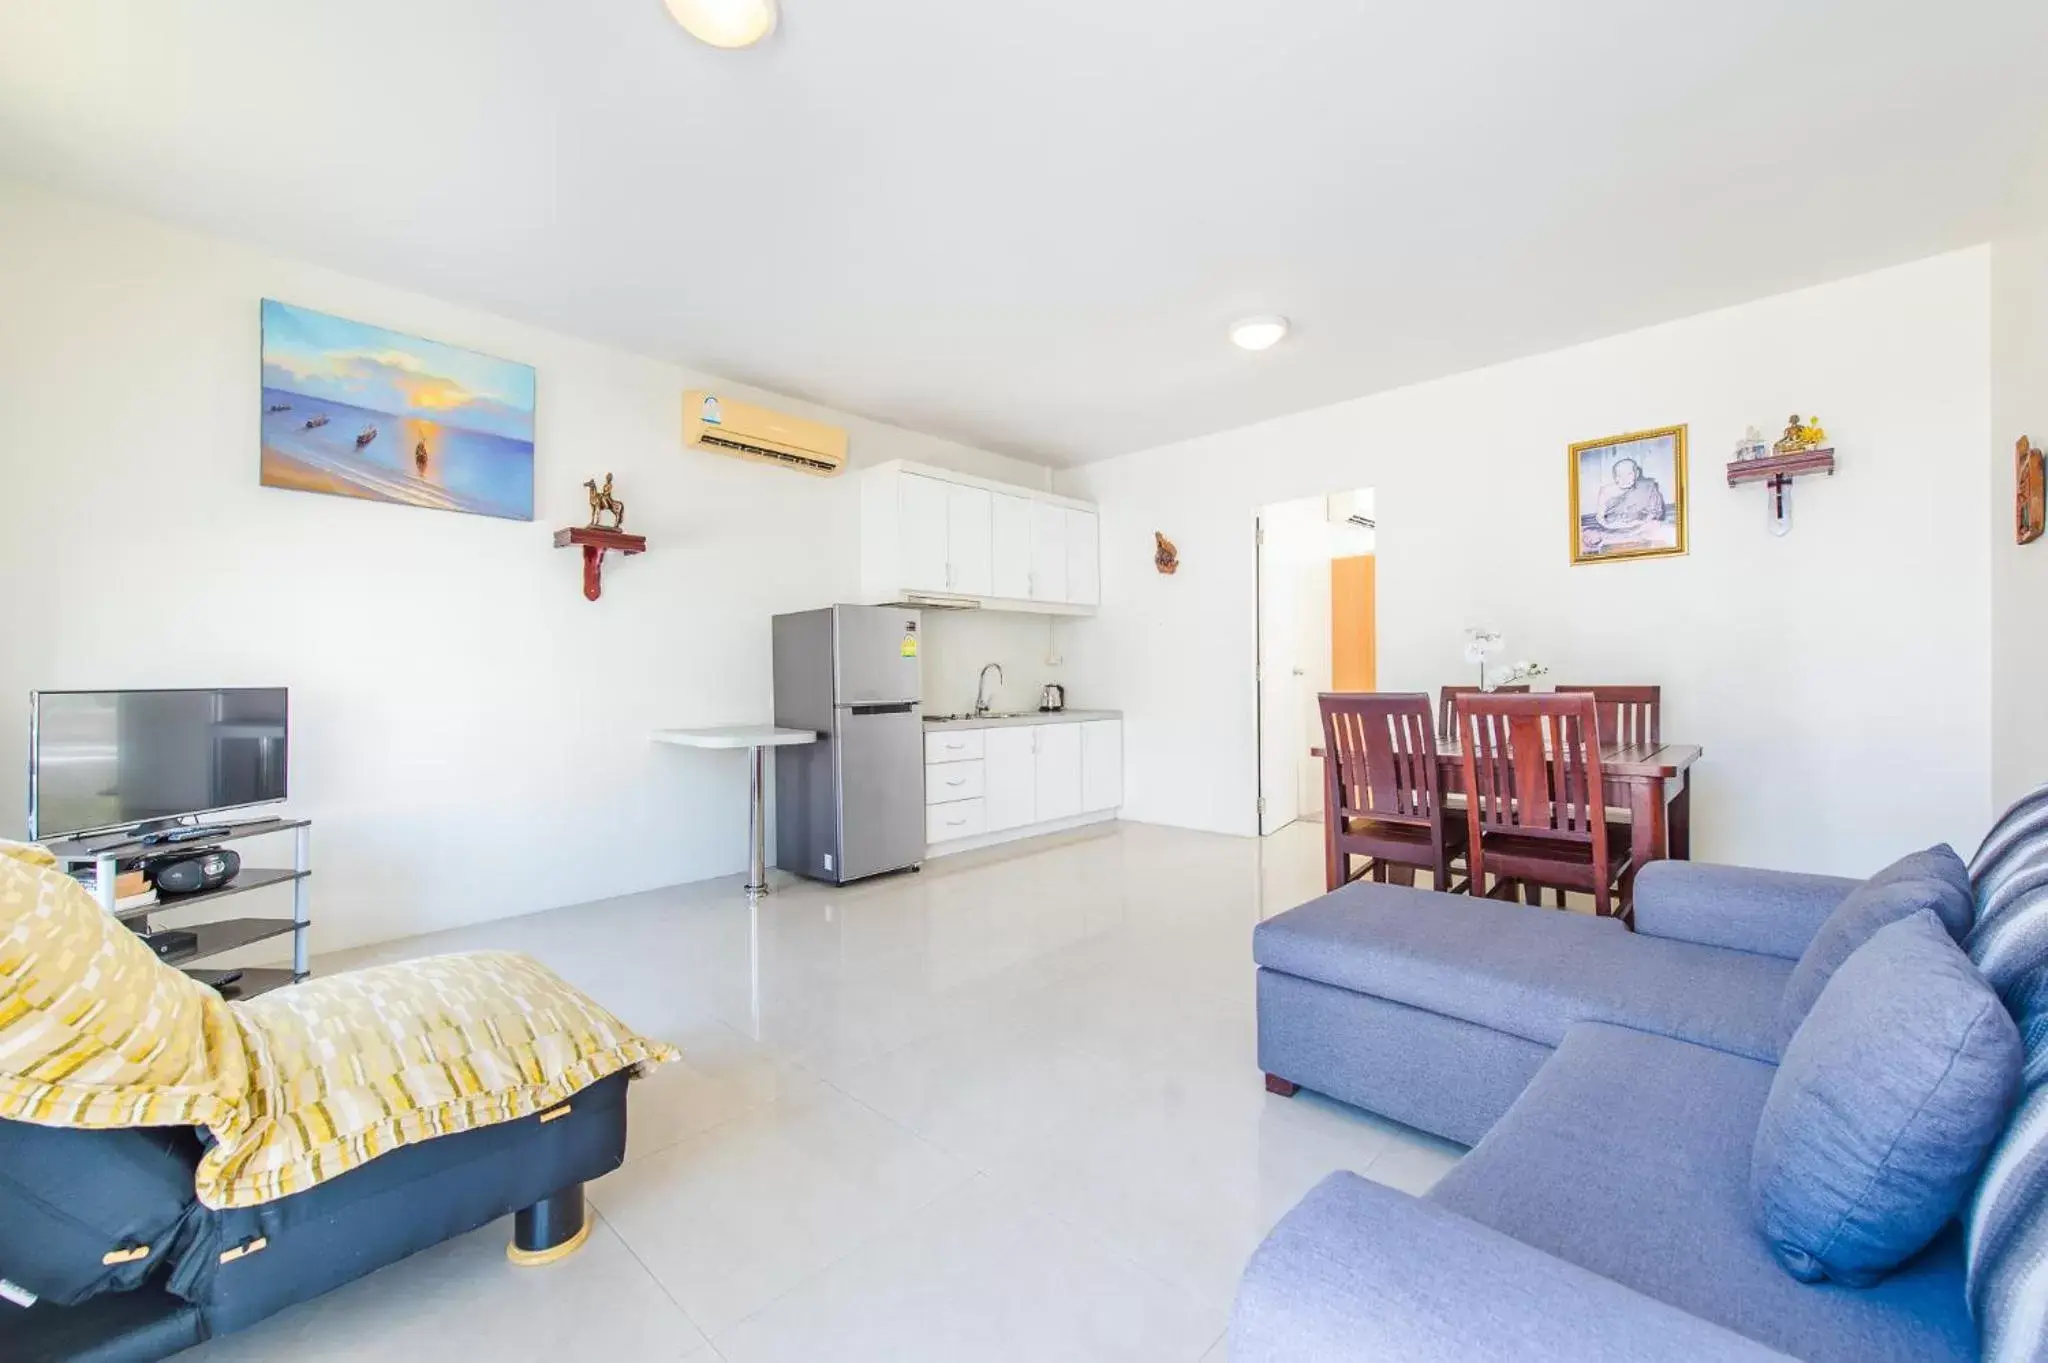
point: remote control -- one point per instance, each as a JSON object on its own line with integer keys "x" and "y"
{"x": 182, "y": 834}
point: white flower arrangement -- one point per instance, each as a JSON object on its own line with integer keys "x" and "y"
{"x": 1482, "y": 643}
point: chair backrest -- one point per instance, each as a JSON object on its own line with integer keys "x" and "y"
{"x": 1447, "y": 708}
{"x": 1532, "y": 767}
{"x": 1382, "y": 758}
{"x": 1628, "y": 714}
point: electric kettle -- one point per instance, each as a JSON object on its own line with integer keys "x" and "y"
{"x": 1054, "y": 697}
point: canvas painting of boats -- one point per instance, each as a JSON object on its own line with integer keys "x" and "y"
{"x": 357, "y": 411}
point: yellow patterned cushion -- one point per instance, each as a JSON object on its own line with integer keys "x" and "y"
{"x": 95, "y": 1031}
{"x": 347, "y": 1067}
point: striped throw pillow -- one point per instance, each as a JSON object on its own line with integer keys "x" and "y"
{"x": 2017, "y": 841}
{"x": 2009, "y": 943}
{"x": 2006, "y": 1248}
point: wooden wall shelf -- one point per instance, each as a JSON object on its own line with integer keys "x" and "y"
{"x": 1780, "y": 466}
{"x": 1777, "y": 473}
{"x": 594, "y": 542}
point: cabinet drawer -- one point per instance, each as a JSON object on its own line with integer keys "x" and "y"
{"x": 948, "y": 781}
{"x": 958, "y": 819}
{"x": 953, "y": 745}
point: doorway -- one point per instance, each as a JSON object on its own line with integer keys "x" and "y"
{"x": 1317, "y": 632}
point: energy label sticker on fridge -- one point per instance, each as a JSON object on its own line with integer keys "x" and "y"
{"x": 909, "y": 646}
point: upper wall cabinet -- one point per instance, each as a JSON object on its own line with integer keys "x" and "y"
{"x": 931, "y": 536}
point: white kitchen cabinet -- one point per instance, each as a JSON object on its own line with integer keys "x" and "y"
{"x": 1010, "y": 777}
{"x": 969, "y": 552}
{"x": 946, "y": 781}
{"x": 1084, "y": 558}
{"x": 1102, "y": 764}
{"x": 1048, "y": 552}
{"x": 931, "y": 534}
{"x": 959, "y": 819}
{"x": 1059, "y": 771}
{"x": 921, "y": 527}
{"x": 1010, "y": 525}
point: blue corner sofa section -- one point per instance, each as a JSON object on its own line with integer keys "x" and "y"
{"x": 1612, "y": 1082}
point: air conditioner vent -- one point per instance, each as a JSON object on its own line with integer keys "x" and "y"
{"x": 748, "y": 432}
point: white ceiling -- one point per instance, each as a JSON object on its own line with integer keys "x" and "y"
{"x": 1025, "y": 226}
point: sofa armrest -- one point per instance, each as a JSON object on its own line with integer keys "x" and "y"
{"x": 1360, "y": 1271}
{"x": 1771, "y": 913}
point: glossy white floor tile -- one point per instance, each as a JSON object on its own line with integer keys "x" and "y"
{"x": 1005, "y": 1109}
{"x": 463, "y": 1300}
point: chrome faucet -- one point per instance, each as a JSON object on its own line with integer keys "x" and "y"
{"x": 981, "y": 688}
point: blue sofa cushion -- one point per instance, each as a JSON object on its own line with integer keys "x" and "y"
{"x": 1528, "y": 972}
{"x": 1884, "y": 1107}
{"x": 1956, "y": 906}
{"x": 1630, "y": 1154}
{"x": 1899, "y": 891}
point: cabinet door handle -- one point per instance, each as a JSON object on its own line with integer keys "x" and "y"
{"x": 957, "y": 781}
{"x": 955, "y": 823}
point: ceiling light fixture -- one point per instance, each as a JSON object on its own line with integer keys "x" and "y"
{"x": 1258, "y": 333}
{"x": 725, "y": 23}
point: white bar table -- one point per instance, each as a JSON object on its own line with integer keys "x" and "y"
{"x": 756, "y": 738}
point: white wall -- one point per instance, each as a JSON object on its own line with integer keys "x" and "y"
{"x": 2019, "y": 573}
{"x": 958, "y": 644}
{"x": 1839, "y": 679}
{"x": 469, "y": 732}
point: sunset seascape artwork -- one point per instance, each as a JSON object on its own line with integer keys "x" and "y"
{"x": 358, "y": 411}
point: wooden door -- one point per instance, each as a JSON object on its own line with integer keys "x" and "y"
{"x": 1354, "y": 652}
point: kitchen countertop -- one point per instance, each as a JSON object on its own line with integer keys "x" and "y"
{"x": 1067, "y": 716}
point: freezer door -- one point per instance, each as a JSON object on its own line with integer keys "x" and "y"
{"x": 881, "y": 789}
{"x": 874, "y": 655}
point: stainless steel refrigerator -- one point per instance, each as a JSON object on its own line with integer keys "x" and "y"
{"x": 852, "y": 804}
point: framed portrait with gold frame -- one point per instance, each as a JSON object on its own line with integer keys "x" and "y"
{"x": 1629, "y": 496}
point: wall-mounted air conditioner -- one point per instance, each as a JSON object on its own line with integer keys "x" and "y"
{"x": 745, "y": 431}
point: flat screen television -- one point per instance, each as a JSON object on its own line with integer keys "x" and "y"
{"x": 112, "y": 759}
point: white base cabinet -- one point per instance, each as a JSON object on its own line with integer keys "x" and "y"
{"x": 1014, "y": 780}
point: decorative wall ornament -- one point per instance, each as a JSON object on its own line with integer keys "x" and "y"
{"x": 1751, "y": 446}
{"x": 1628, "y": 496}
{"x": 602, "y": 501}
{"x": 357, "y": 411}
{"x": 1800, "y": 450}
{"x": 1165, "y": 557}
{"x": 2030, "y": 500}
{"x": 594, "y": 539}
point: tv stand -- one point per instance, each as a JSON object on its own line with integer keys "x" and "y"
{"x": 217, "y": 936}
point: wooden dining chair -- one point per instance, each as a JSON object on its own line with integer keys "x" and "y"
{"x": 1535, "y": 801}
{"x": 1447, "y": 708}
{"x": 1628, "y": 714}
{"x": 1381, "y": 795}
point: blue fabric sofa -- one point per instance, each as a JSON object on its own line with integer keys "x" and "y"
{"x": 1612, "y": 1082}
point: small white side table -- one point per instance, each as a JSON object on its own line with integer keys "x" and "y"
{"x": 756, "y": 738}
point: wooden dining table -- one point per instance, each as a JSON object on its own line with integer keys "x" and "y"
{"x": 1653, "y": 781}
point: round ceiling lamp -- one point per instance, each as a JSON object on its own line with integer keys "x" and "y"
{"x": 725, "y": 23}
{"x": 1258, "y": 333}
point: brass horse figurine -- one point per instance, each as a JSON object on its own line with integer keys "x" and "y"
{"x": 601, "y": 501}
